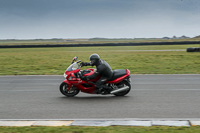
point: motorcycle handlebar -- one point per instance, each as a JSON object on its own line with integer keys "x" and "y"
{"x": 78, "y": 61}
{"x": 79, "y": 65}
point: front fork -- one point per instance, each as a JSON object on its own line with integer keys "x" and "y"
{"x": 69, "y": 85}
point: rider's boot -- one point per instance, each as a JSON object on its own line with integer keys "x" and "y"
{"x": 103, "y": 89}
{"x": 99, "y": 90}
{"x": 106, "y": 89}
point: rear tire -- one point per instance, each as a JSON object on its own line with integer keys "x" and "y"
{"x": 122, "y": 84}
{"x": 64, "y": 90}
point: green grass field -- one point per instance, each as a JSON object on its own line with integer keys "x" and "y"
{"x": 110, "y": 129}
{"x": 54, "y": 61}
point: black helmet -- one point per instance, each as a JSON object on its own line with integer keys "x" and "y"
{"x": 94, "y": 58}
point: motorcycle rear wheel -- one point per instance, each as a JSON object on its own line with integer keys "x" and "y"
{"x": 121, "y": 84}
{"x": 64, "y": 90}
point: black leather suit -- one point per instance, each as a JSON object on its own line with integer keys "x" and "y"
{"x": 103, "y": 69}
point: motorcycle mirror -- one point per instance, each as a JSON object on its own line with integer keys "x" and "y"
{"x": 74, "y": 59}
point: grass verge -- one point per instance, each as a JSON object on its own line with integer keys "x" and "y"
{"x": 110, "y": 129}
{"x": 54, "y": 61}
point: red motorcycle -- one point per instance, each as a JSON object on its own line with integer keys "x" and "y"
{"x": 119, "y": 84}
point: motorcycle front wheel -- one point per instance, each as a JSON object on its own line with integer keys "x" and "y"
{"x": 64, "y": 90}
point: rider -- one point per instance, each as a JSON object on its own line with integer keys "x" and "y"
{"x": 103, "y": 69}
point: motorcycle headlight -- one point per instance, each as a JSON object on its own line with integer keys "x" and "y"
{"x": 65, "y": 75}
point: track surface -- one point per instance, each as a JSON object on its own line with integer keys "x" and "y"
{"x": 152, "y": 96}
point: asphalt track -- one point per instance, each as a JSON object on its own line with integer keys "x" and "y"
{"x": 152, "y": 96}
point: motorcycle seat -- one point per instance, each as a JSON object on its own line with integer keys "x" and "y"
{"x": 118, "y": 73}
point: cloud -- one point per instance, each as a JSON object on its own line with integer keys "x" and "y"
{"x": 98, "y": 18}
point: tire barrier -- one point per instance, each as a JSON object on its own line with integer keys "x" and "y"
{"x": 100, "y": 44}
{"x": 193, "y": 49}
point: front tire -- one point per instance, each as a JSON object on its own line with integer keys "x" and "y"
{"x": 64, "y": 90}
{"x": 122, "y": 84}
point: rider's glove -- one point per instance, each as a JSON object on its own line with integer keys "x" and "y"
{"x": 85, "y": 64}
{"x": 82, "y": 63}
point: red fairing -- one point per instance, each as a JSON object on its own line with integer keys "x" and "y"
{"x": 120, "y": 78}
{"x": 86, "y": 89}
{"x": 70, "y": 75}
{"x": 75, "y": 71}
{"x": 88, "y": 74}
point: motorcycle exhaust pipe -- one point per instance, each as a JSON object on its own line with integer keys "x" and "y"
{"x": 119, "y": 90}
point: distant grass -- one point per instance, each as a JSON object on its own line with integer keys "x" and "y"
{"x": 88, "y": 41}
{"x": 54, "y": 61}
{"x": 110, "y": 129}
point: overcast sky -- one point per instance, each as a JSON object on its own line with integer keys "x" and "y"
{"x": 34, "y": 19}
